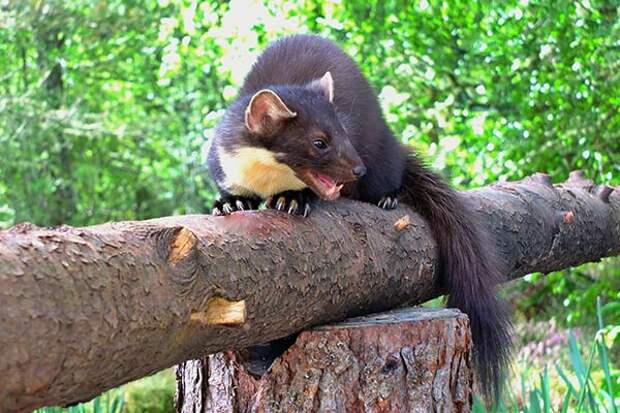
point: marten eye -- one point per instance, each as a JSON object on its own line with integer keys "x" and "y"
{"x": 320, "y": 144}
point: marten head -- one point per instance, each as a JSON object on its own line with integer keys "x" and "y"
{"x": 299, "y": 126}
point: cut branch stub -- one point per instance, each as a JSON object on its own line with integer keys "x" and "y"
{"x": 568, "y": 217}
{"x": 541, "y": 178}
{"x": 603, "y": 192}
{"x": 578, "y": 178}
{"x": 221, "y": 311}
{"x": 576, "y": 175}
{"x": 182, "y": 245}
{"x": 403, "y": 223}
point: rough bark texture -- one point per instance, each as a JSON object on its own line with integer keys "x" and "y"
{"x": 409, "y": 360}
{"x": 83, "y": 310}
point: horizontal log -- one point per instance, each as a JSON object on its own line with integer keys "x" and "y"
{"x": 83, "y": 310}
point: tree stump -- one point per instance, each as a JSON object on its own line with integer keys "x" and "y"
{"x": 407, "y": 360}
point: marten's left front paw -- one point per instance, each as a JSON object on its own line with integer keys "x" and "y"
{"x": 292, "y": 202}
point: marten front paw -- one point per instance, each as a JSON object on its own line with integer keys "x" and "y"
{"x": 292, "y": 202}
{"x": 388, "y": 202}
{"x": 229, "y": 204}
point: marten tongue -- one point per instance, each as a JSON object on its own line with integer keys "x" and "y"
{"x": 326, "y": 186}
{"x": 325, "y": 180}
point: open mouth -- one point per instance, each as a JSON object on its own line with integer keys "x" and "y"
{"x": 322, "y": 185}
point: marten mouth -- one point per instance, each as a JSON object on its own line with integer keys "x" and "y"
{"x": 322, "y": 185}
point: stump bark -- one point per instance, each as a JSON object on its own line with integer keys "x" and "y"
{"x": 408, "y": 360}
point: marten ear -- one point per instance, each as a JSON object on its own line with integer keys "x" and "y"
{"x": 266, "y": 112}
{"x": 324, "y": 85}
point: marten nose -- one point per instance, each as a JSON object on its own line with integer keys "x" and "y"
{"x": 359, "y": 171}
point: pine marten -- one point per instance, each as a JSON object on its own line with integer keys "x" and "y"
{"x": 308, "y": 124}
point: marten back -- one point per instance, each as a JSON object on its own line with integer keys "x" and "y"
{"x": 298, "y": 60}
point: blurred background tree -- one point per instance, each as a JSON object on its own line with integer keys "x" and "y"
{"x": 106, "y": 105}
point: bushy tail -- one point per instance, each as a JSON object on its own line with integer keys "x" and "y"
{"x": 469, "y": 269}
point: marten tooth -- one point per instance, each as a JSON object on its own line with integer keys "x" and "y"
{"x": 334, "y": 190}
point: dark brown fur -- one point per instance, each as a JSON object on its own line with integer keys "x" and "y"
{"x": 355, "y": 128}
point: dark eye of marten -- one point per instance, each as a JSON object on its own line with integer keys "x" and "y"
{"x": 320, "y": 144}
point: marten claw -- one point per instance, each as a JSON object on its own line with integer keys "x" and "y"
{"x": 292, "y": 209}
{"x": 229, "y": 204}
{"x": 291, "y": 202}
{"x": 281, "y": 203}
{"x": 388, "y": 202}
{"x": 228, "y": 209}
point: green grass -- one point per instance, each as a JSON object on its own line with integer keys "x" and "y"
{"x": 153, "y": 394}
{"x": 109, "y": 402}
{"x": 590, "y": 384}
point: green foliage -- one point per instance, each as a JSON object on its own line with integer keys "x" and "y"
{"x": 571, "y": 293}
{"x": 153, "y": 394}
{"x": 92, "y": 129}
{"x": 110, "y": 402}
{"x": 592, "y": 385}
{"x": 106, "y": 106}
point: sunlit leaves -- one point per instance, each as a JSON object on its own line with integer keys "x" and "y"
{"x": 522, "y": 86}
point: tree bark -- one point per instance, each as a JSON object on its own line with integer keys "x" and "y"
{"x": 83, "y": 310}
{"x": 408, "y": 360}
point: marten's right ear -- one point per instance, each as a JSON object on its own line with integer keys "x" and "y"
{"x": 266, "y": 112}
{"x": 324, "y": 85}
